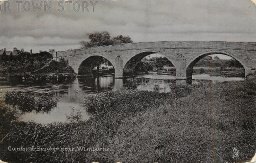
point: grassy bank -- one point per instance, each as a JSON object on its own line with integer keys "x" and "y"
{"x": 214, "y": 123}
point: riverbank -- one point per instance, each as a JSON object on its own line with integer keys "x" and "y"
{"x": 210, "y": 123}
{"x": 43, "y": 78}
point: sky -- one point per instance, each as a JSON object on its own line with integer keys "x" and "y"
{"x": 62, "y": 27}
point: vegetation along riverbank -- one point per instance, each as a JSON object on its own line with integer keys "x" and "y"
{"x": 34, "y": 68}
{"x": 210, "y": 123}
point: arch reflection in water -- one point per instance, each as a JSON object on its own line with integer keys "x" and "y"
{"x": 162, "y": 84}
{"x": 142, "y": 83}
{"x": 119, "y": 84}
{"x": 96, "y": 84}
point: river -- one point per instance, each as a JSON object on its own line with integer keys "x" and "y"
{"x": 70, "y": 97}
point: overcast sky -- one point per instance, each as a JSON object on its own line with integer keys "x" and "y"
{"x": 142, "y": 20}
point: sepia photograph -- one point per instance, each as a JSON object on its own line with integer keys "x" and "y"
{"x": 127, "y": 81}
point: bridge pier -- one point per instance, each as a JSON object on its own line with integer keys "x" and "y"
{"x": 180, "y": 82}
{"x": 183, "y": 76}
{"x": 119, "y": 84}
{"x": 250, "y": 74}
{"x": 119, "y": 68}
{"x": 249, "y": 71}
{"x": 119, "y": 73}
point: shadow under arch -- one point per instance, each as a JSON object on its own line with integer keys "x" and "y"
{"x": 191, "y": 64}
{"x": 130, "y": 65}
{"x": 96, "y": 66}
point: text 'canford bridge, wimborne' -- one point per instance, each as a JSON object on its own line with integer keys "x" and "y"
{"x": 182, "y": 54}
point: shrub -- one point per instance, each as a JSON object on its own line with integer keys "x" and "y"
{"x": 7, "y": 116}
{"x": 27, "y": 101}
{"x": 124, "y": 102}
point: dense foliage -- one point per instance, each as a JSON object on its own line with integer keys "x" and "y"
{"x": 104, "y": 39}
{"x": 7, "y": 116}
{"x": 24, "y": 62}
{"x": 28, "y": 102}
{"x": 55, "y": 67}
{"x": 34, "y": 68}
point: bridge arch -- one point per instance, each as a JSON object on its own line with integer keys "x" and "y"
{"x": 190, "y": 64}
{"x": 92, "y": 63}
{"x": 134, "y": 60}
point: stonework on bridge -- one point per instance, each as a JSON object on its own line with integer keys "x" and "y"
{"x": 182, "y": 54}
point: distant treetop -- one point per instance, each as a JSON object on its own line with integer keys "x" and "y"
{"x": 104, "y": 39}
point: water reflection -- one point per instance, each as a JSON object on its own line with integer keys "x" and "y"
{"x": 70, "y": 97}
{"x": 145, "y": 83}
{"x": 98, "y": 84}
{"x": 58, "y": 114}
{"x": 216, "y": 79}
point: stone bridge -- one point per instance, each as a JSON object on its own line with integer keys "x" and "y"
{"x": 183, "y": 55}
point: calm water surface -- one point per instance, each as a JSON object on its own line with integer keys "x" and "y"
{"x": 70, "y": 97}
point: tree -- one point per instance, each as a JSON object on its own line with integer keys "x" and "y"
{"x": 97, "y": 39}
{"x": 3, "y": 56}
{"x": 4, "y": 53}
{"x": 100, "y": 38}
{"x": 120, "y": 39}
{"x": 104, "y": 39}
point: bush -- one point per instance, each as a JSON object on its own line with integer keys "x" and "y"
{"x": 124, "y": 102}
{"x": 104, "y": 39}
{"x": 27, "y": 102}
{"x": 7, "y": 117}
